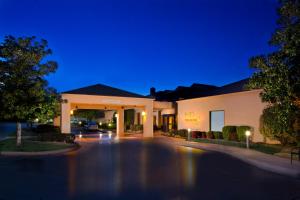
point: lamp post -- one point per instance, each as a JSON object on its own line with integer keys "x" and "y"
{"x": 189, "y": 134}
{"x": 247, "y": 133}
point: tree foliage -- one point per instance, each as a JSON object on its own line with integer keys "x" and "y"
{"x": 23, "y": 87}
{"x": 88, "y": 114}
{"x": 278, "y": 73}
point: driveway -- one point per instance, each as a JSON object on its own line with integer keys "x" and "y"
{"x": 139, "y": 169}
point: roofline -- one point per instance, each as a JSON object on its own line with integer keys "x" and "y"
{"x": 137, "y": 95}
{"x": 110, "y": 96}
{"x": 231, "y": 93}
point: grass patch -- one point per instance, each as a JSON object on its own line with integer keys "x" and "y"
{"x": 32, "y": 146}
{"x": 265, "y": 148}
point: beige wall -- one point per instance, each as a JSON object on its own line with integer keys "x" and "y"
{"x": 242, "y": 108}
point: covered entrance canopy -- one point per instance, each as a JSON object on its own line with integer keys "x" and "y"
{"x": 106, "y": 98}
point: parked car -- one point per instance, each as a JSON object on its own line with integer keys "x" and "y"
{"x": 91, "y": 126}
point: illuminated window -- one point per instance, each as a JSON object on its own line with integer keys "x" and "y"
{"x": 216, "y": 120}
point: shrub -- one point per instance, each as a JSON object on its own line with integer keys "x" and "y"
{"x": 240, "y": 130}
{"x": 56, "y": 137}
{"x": 229, "y": 133}
{"x": 47, "y": 128}
{"x": 197, "y": 134}
{"x": 182, "y": 133}
{"x": 218, "y": 134}
{"x": 210, "y": 135}
{"x": 203, "y": 134}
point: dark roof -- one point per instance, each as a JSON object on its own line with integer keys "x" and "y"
{"x": 238, "y": 86}
{"x": 104, "y": 90}
{"x": 200, "y": 90}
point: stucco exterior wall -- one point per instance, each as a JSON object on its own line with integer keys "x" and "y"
{"x": 241, "y": 108}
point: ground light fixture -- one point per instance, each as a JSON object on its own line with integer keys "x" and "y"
{"x": 247, "y": 133}
{"x": 189, "y": 134}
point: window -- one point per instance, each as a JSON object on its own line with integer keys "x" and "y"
{"x": 216, "y": 120}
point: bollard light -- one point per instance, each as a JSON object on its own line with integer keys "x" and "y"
{"x": 189, "y": 134}
{"x": 247, "y": 133}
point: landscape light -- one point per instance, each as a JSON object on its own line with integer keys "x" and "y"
{"x": 189, "y": 134}
{"x": 109, "y": 124}
{"x": 247, "y": 133}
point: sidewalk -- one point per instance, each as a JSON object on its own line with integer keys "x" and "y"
{"x": 261, "y": 160}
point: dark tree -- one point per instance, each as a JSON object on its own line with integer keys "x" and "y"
{"x": 23, "y": 88}
{"x": 278, "y": 74}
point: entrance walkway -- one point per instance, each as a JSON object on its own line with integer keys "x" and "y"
{"x": 261, "y": 160}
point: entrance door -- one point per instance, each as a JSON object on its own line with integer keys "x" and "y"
{"x": 168, "y": 122}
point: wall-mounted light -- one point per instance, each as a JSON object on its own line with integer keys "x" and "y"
{"x": 72, "y": 112}
{"x": 100, "y": 123}
{"x": 143, "y": 113}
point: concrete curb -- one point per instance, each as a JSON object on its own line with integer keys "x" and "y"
{"x": 40, "y": 153}
{"x": 258, "y": 159}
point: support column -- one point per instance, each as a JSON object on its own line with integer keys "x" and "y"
{"x": 65, "y": 119}
{"x": 120, "y": 122}
{"x": 148, "y": 122}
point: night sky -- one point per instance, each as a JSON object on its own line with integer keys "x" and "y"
{"x": 138, "y": 44}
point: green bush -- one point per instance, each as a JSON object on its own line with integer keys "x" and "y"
{"x": 56, "y": 137}
{"x": 198, "y": 134}
{"x": 210, "y": 135}
{"x": 240, "y": 130}
{"x": 218, "y": 134}
{"x": 47, "y": 128}
{"x": 182, "y": 133}
{"x": 229, "y": 133}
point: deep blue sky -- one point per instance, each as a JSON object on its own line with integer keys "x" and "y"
{"x": 137, "y": 44}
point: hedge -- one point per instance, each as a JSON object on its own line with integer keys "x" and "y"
{"x": 230, "y": 133}
{"x": 210, "y": 135}
{"x": 198, "y": 134}
{"x": 218, "y": 134}
{"x": 56, "y": 137}
{"x": 47, "y": 128}
{"x": 182, "y": 133}
{"x": 241, "y": 132}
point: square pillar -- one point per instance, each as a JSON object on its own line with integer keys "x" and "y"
{"x": 120, "y": 122}
{"x": 65, "y": 119}
{"x": 148, "y": 121}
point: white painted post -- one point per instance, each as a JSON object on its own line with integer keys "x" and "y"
{"x": 65, "y": 118}
{"x": 120, "y": 123}
{"x": 148, "y": 123}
